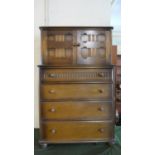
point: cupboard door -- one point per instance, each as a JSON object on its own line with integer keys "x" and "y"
{"x": 57, "y": 47}
{"x": 93, "y": 47}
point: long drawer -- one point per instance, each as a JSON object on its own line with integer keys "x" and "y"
{"x": 80, "y": 110}
{"x": 76, "y": 91}
{"x": 62, "y": 75}
{"x": 77, "y": 131}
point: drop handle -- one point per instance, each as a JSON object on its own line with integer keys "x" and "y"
{"x": 101, "y": 74}
{"x": 53, "y": 131}
{"x": 52, "y": 75}
{"x": 52, "y": 91}
{"x": 101, "y": 130}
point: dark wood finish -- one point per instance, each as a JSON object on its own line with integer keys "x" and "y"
{"x": 48, "y": 28}
{"x": 77, "y": 85}
{"x": 80, "y": 131}
{"x": 45, "y": 66}
{"x": 118, "y": 69}
{"x": 118, "y": 89}
{"x": 116, "y": 60}
{"x": 114, "y": 55}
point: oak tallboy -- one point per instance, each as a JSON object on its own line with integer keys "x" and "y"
{"x": 77, "y": 85}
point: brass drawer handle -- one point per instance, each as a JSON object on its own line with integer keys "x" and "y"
{"x": 52, "y": 91}
{"x": 101, "y": 109}
{"x": 101, "y": 74}
{"x": 52, "y": 110}
{"x": 101, "y": 130}
{"x": 52, "y": 75}
{"x": 53, "y": 131}
{"x": 100, "y": 90}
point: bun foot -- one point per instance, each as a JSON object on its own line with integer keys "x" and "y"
{"x": 112, "y": 142}
{"x": 44, "y": 145}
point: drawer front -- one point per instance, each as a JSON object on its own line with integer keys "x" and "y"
{"x": 76, "y": 75}
{"x": 77, "y": 110}
{"x": 76, "y": 91}
{"x": 77, "y": 131}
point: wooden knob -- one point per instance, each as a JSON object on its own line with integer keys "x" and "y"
{"x": 52, "y": 91}
{"x": 52, "y": 110}
{"x": 100, "y": 90}
{"x": 53, "y": 131}
{"x": 101, "y": 130}
{"x": 101, "y": 109}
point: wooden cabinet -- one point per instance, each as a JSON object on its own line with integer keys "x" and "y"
{"x": 76, "y": 46}
{"x": 77, "y": 85}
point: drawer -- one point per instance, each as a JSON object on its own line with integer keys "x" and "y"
{"x": 77, "y": 131}
{"x": 76, "y": 91}
{"x": 85, "y": 110}
{"x": 76, "y": 75}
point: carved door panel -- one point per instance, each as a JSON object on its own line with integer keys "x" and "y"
{"x": 93, "y": 48}
{"x": 57, "y": 47}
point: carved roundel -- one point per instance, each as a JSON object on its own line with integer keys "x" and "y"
{"x": 92, "y": 37}
{"x": 93, "y": 52}
{"x": 84, "y": 38}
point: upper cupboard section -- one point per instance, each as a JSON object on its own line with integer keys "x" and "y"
{"x": 76, "y": 45}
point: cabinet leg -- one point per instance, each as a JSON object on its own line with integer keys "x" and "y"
{"x": 112, "y": 142}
